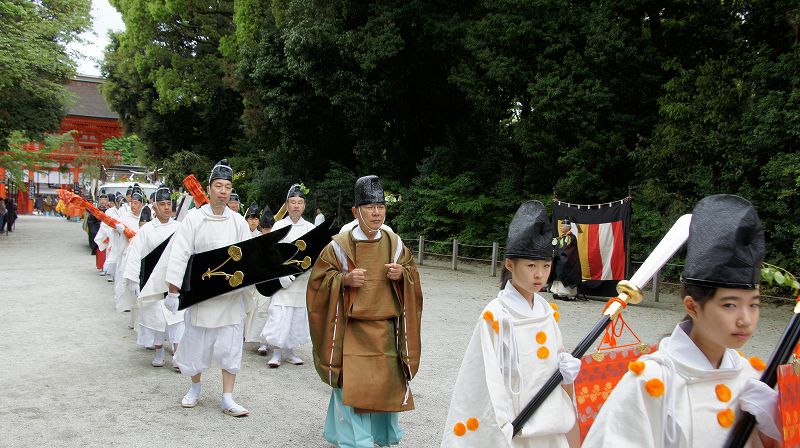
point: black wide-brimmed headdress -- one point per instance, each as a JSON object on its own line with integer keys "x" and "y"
{"x": 295, "y": 192}
{"x": 530, "y": 234}
{"x": 163, "y": 193}
{"x": 726, "y": 244}
{"x": 368, "y": 190}
{"x": 222, "y": 170}
{"x": 234, "y": 196}
{"x": 267, "y": 219}
{"x": 252, "y": 211}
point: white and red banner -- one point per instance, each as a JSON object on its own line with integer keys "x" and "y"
{"x": 603, "y": 231}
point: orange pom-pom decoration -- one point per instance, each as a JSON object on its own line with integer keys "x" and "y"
{"x": 554, "y": 306}
{"x": 541, "y": 337}
{"x": 459, "y": 429}
{"x": 654, "y": 387}
{"x": 757, "y": 363}
{"x": 543, "y": 352}
{"x": 488, "y": 316}
{"x": 636, "y": 367}
{"x": 723, "y": 392}
{"x": 557, "y": 316}
{"x": 496, "y": 326}
{"x": 726, "y": 418}
{"x": 472, "y": 423}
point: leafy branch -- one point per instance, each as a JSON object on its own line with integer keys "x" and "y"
{"x": 779, "y": 276}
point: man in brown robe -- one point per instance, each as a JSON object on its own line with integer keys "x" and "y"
{"x": 364, "y": 310}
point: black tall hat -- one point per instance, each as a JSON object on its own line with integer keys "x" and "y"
{"x": 726, "y": 244}
{"x": 146, "y": 215}
{"x": 163, "y": 193}
{"x": 129, "y": 190}
{"x": 530, "y": 234}
{"x": 267, "y": 219}
{"x": 368, "y": 190}
{"x": 295, "y": 192}
{"x": 119, "y": 198}
{"x": 234, "y": 196}
{"x": 222, "y": 170}
{"x": 137, "y": 193}
{"x": 252, "y": 211}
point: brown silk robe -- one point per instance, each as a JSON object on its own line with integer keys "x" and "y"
{"x": 372, "y": 361}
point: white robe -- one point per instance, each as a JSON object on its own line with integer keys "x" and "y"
{"x": 152, "y": 315}
{"x": 295, "y": 293}
{"x": 123, "y": 295}
{"x": 686, "y": 414}
{"x": 287, "y": 319}
{"x": 201, "y": 230}
{"x": 501, "y": 372}
{"x": 108, "y": 232}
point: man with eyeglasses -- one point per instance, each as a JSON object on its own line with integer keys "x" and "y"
{"x": 365, "y": 305}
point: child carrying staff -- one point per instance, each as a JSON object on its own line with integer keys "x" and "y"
{"x": 689, "y": 392}
{"x": 515, "y": 348}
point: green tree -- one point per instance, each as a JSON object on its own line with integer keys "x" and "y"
{"x": 131, "y": 148}
{"x": 165, "y": 76}
{"x": 35, "y": 63}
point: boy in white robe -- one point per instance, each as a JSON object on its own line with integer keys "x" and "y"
{"x": 687, "y": 394}
{"x": 214, "y": 329}
{"x": 154, "y": 323}
{"x": 515, "y": 348}
{"x": 287, "y": 319}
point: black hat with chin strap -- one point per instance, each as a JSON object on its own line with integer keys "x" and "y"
{"x": 368, "y": 190}
{"x": 267, "y": 219}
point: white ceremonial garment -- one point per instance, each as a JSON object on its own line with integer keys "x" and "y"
{"x": 501, "y": 372}
{"x": 256, "y": 319}
{"x": 155, "y": 290}
{"x": 255, "y": 233}
{"x": 319, "y": 219}
{"x": 295, "y": 293}
{"x": 152, "y": 315}
{"x": 109, "y": 264}
{"x": 200, "y": 231}
{"x": 123, "y": 296}
{"x": 686, "y": 415}
{"x": 287, "y": 318}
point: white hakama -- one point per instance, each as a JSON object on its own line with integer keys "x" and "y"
{"x": 255, "y": 320}
{"x": 200, "y": 346}
{"x": 287, "y": 319}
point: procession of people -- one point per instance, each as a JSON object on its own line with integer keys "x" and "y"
{"x": 355, "y": 294}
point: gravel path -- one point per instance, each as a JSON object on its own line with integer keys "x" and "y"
{"x": 72, "y": 375}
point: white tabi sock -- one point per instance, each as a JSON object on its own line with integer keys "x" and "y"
{"x": 227, "y": 401}
{"x": 159, "y": 357}
{"x": 195, "y": 389}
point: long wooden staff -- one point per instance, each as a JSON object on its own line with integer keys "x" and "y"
{"x": 745, "y": 424}
{"x": 195, "y": 189}
{"x": 101, "y": 215}
{"x": 629, "y": 292}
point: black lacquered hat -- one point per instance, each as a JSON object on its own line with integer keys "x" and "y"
{"x": 222, "y": 170}
{"x": 726, "y": 244}
{"x": 368, "y": 190}
{"x": 530, "y": 233}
